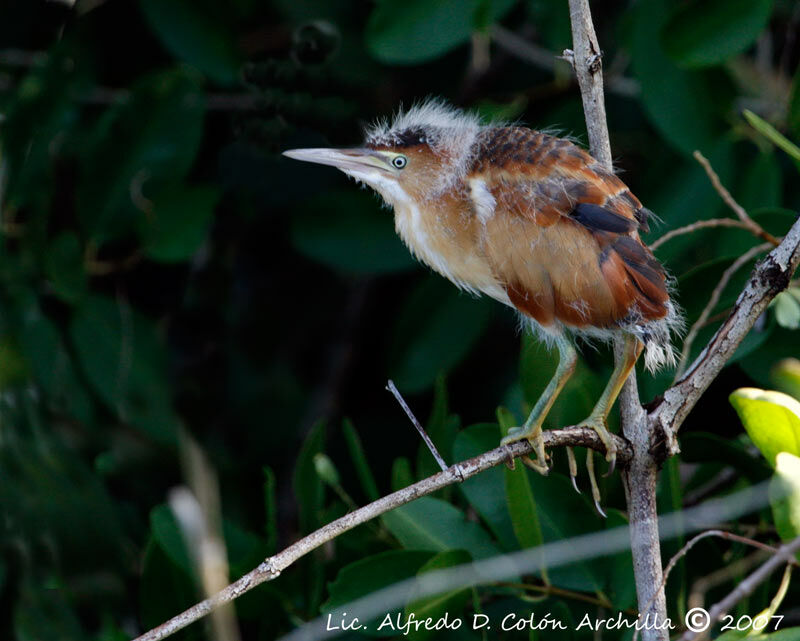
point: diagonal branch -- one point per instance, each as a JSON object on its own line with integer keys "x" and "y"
{"x": 272, "y": 567}
{"x": 784, "y": 554}
{"x": 702, "y": 320}
{"x": 770, "y": 277}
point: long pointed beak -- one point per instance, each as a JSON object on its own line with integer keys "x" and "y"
{"x": 348, "y": 160}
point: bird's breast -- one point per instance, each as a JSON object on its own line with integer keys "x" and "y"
{"x": 441, "y": 234}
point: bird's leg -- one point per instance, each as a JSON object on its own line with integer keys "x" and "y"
{"x": 597, "y": 419}
{"x": 532, "y": 429}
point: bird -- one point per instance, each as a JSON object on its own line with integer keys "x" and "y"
{"x": 532, "y": 221}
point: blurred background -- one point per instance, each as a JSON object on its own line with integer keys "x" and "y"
{"x": 164, "y": 272}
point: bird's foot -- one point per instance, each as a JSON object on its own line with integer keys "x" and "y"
{"x": 597, "y": 422}
{"x": 534, "y": 436}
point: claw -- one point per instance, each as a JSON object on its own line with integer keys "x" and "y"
{"x": 593, "y": 482}
{"x": 536, "y": 466}
{"x": 600, "y": 510}
{"x": 573, "y": 469}
{"x": 612, "y": 465}
{"x": 598, "y": 424}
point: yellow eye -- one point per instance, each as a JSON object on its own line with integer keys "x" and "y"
{"x": 398, "y": 162}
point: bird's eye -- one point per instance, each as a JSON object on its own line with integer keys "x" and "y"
{"x": 398, "y": 162}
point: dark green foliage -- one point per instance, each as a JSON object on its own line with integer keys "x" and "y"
{"x": 163, "y": 268}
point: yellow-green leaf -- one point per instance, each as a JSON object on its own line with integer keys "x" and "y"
{"x": 772, "y": 419}
{"x": 786, "y": 375}
{"x": 785, "y": 496}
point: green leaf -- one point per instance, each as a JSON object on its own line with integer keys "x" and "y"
{"x": 773, "y": 135}
{"x": 420, "y": 30}
{"x": 13, "y": 368}
{"x": 190, "y": 33}
{"x": 486, "y": 491}
{"x": 564, "y": 514}
{"x": 794, "y": 105}
{"x": 63, "y": 265}
{"x": 348, "y": 231}
{"x": 772, "y": 420}
{"x": 785, "y": 496}
{"x": 786, "y": 375}
{"x": 168, "y": 535}
{"x": 761, "y": 185}
{"x": 436, "y": 329}
{"x": 360, "y": 461}
{"x": 308, "y": 488}
{"x": 678, "y": 103}
{"x": 270, "y": 510}
{"x": 136, "y": 148}
{"x": 440, "y": 605}
{"x": 701, "y": 33}
{"x": 41, "y": 117}
{"x": 245, "y": 549}
{"x": 442, "y": 427}
{"x": 781, "y": 342}
{"x": 787, "y": 310}
{"x": 702, "y": 447}
{"x": 369, "y": 575}
{"x": 53, "y": 367}
{"x": 178, "y": 223}
{"x": 42, "y": 613}
{"x": 520, "y": 500}
{"x": 402, "y": 476}
{"x": 123, "y": 359}
{"x": 164, "y": 588}
{"x": 431, "y": 524}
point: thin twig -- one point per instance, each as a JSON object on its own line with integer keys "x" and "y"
{"x": 396, "y": 393}
{"x": 545, "y": 59}
{"x": 729, "y": 536}
{"x": 770, "y": 277}
{"x": 746, "y": 587}
{"x": 712, "y": 302}
{"x": 726, "y": 574}
{"x": 551, "y": 590}
{"x": 700, "y": 224}
{"x": 731, "y": 202}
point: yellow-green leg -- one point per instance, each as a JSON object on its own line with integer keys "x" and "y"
{"x": 597, "y": 419}
{"x": 532, "y": 429}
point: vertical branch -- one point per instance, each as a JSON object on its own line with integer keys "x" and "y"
{"x": 588, "y": 64}
{"x": 641, "y": 476}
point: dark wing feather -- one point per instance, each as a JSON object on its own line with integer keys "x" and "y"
{"x": 555, "y": 195}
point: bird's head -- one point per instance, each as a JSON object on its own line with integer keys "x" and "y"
{"x": 417, "y": 157}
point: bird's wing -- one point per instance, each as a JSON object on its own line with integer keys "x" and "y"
{"x": 562, "y": 233}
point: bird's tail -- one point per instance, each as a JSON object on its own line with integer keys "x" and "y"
{"x": 659, "y": 352}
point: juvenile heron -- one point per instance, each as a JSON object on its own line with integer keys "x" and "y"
{"x": 530, "y": 220}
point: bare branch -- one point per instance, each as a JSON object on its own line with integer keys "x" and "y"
{"x": 396, "y": 393}
{"x": 588, "y": 63}
{"x": 700, "y": 224}
{"x": 746, "y": 587}
{"x": 712, "y": 303}
{"x": 272, "y": 567}
{"x": 729, "y": 536}
{"x": 731, "y": 202}
{"x": 641, "y": 476}
{"x": 545, "y": 59}
{"x": 770, "y": 277}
